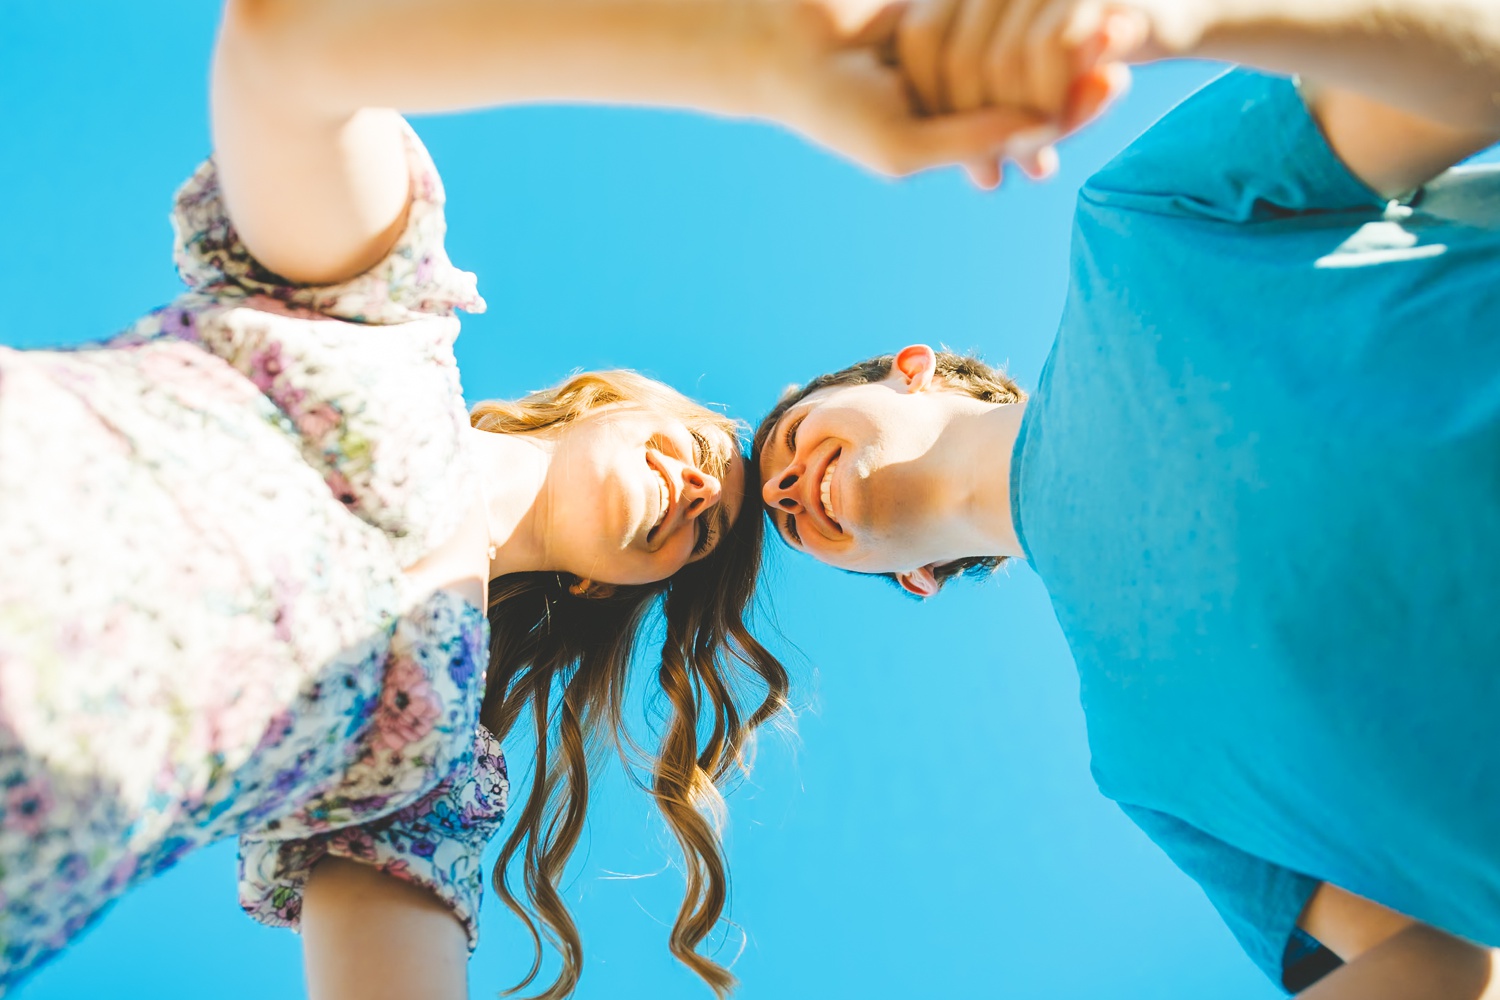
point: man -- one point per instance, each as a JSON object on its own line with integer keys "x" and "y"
{"x": 1261, "y": 473}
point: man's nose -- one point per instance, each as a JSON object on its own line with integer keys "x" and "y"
{"x": 700, "y": 489}
{"x": 777, "y": 491}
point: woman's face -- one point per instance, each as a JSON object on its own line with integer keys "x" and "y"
{"x": 634, "y": 495}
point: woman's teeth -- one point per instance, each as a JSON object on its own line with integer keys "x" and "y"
{"x": 825, "y": 490}
{"x": 666, "y": 500}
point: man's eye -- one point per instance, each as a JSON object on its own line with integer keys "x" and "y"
{"x": 791, "y": 433}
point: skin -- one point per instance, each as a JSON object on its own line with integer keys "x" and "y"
{"x": 1402, "y": 89}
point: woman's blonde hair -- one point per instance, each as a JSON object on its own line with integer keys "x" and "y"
{"x": 546, "y": 638}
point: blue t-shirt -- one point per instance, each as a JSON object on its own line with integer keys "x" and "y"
{"x": 1260, "y": 478}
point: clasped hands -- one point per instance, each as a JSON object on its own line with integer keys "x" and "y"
{"x": 907, "y": 86}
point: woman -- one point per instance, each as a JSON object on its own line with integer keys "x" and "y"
{"x": 199, "y": 641}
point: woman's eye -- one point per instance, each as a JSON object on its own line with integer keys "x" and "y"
{"x": 702, "y": 450}
{"x": 704, "y": 536}
{"x": 791, "y": 529}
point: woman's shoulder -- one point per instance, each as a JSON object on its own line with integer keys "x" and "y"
{"x": 363, "y": 369}
{"x": 414, "y": 280}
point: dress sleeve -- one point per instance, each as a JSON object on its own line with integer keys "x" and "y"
{"x": 436, "y": 842}
{"x": 1242, "y": 149}
{"x": 415, "y": 279}
{"x": 1259, "y": 900}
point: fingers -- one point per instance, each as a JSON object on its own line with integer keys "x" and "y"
{"x": 1006, "y": 58}
{"x": 974, "y": 140}
{"x": 1093, "y": 92}
{"x": 985, "y": 174}
{"x": 963, "y": 60}
{"x": 1051, "y": 63}
{"x": 920, "y": 43}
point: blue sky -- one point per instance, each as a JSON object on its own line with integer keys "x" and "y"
{"x": 931, "y": 829}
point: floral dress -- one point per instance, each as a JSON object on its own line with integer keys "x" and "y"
{"x": 205, "y": 630}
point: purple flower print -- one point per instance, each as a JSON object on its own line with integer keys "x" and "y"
{"x": 173, "y": 850}
{"x": 72, "y": 868}
{"x": 177, "y": 322}
{"x": 122, "y": 873}
{"x": 27, "y": 806}
{"x": 423, "y": 848}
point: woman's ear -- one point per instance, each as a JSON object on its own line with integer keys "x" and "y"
{"x": 585, "y": 587}
{"x": 916, "y": 364}
{"x": 922, "y": 582}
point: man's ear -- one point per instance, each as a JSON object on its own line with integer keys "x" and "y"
{"x": 916, "y": 365}
{"x": 922, "y": 582}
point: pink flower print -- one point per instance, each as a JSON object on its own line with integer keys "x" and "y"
{"x": 409, "y": 708}
{"x": 266, "y": 366}
{"x": 398, "y": 868}
{"x": 341, "y": 487}
{"x": 355, "y": 843}
{"x": 27, "y": 806}
{"x": 317, "y": 421}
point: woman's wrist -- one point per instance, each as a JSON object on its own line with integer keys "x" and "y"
{"x": 779, "y": 43}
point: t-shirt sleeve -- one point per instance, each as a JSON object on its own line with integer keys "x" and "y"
{"x": 436, "y": 842}
{"x": 1260, "y": 901}
{"x": 414, "y": 280}
{"x": 1244, "y": 148}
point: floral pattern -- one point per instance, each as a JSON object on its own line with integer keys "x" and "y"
{"x": 205, "y": 630}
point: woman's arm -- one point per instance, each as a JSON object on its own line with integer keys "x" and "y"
{"x": 309, "y": 152}
{"x": 1392, "y": 957}
{"x": 368, "y": 936}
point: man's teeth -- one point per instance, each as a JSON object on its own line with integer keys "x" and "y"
{"x": 825, "y": 489}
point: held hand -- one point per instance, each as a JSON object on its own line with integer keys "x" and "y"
{"x": 843, "y": 91}
{"x": 1063, "y": 60}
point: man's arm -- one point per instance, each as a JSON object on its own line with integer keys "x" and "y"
{"x": 369, "y": 936}
{"x": 1402, "y": 89}
{"x": 1392, "y": 957}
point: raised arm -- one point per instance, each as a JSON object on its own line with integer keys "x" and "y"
{"x": 309, "y": 150}
{"x": 1401, "y": 88}
{"x": 1391, "y": 957}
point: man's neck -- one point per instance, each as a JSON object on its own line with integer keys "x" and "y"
{"x": 974, "y": 451}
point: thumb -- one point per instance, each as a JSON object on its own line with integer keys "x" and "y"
{"x": 968, "y": 137}
{"x": 1094, "y": 91}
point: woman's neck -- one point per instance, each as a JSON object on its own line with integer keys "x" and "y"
{"x": 512, "y": 471}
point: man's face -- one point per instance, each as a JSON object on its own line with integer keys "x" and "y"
{"x": 843, "y": 472}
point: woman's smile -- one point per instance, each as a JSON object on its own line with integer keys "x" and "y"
{"x": 665, "y": 502}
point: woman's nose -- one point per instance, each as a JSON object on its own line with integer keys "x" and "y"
{"x": 700, "y": 489}
{"x": 777, "y": 491}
